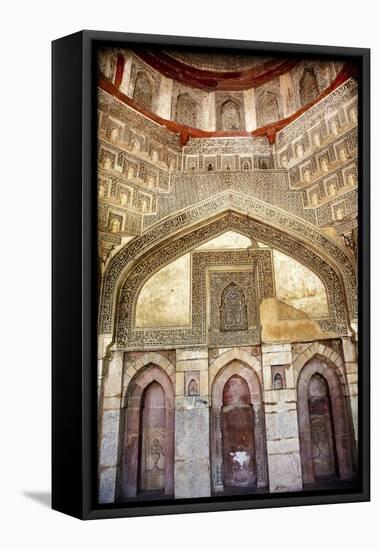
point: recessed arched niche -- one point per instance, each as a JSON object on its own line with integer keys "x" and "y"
{"x": 238, "y": 445}
{"x": 233, "y": 308}
{"x": 267, "y": 108}
{"x": 308, "y": 87}
{"x": 230, "y": 116}
{"x": 237, "y": 434}
{"x": 143, "y": 92}
{"x": 187, "y": 110}
{"x": 277, "y": 382}
{"x": 326, "y": 441}
{"x": 147, "y": 437}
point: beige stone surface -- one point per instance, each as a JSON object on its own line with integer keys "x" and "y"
{"x": 299, "y": 287}
{"x": 184, "y": 354}
{"x": 164, "y": 97}
{"x": 165, "y": 298}
{"x": 285, "y": 472}
{"x": 227, "y": 241}
{"x": 277, "y": 358}
{"x": 192, "y": 364}
{"x": 209, "y": 112}
{"x": 250, "y": 111}
{"x": 179, "y": 377}
{"x": 276, "y": 330}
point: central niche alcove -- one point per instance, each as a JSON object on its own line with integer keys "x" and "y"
{"x": 236, "y": 281}
{"x": 233, "y": 309}
{"x": 232, "y": 299}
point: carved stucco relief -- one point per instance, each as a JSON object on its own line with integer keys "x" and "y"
{"x": 289, "y": 235}
{"x": 129, "y": 336}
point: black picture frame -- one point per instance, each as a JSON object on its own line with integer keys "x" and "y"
{"x": 74, "y": 335}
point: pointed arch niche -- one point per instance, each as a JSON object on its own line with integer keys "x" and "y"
{"x": 326, "y": 442}
{"x": 230, "y": 116}
{"x": 238, "y": 443}
{"x": 143, "y": 90}
{"x": 147, "y": 462}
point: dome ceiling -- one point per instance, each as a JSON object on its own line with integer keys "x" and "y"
{"x": 211, "y": 71}
{"x": 219, "y": 61}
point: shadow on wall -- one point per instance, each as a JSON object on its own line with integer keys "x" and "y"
{"x": 41, "y": 497}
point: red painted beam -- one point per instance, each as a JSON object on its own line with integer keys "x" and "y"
{"x": 119, "y": 70}
{"x": 185, "y": 132}
{"x": 215, "y": 80}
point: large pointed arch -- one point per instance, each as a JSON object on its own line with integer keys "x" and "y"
{"x": 187, "y": 229}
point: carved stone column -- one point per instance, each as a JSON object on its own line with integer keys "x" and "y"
{"x": 250, "y": 112}
{"x": 192, "y": 464}
{"x": 351, "y": 368}
{"x": 124, "y": 86}
{"x": 165, "y": 98}
{"x": 109, "y": 428}
{"x": 282, "y": 435}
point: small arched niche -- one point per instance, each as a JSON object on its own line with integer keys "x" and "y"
{"x": 143, "y": 90}
{"x": 233, "y": 308}
{"x": 230, "y": 116}
{"x": 187, "y": 110}
{"x": 308, "y": 87}
{"x": 193, "y": 388}
{"x": 267, "y": 109}
{"x": 278, "y": 382}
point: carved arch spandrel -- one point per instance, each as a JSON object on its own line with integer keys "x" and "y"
{"x": 133, "y": 283}
{"x": 290, "y": 235}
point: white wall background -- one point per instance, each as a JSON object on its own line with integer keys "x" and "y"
{"x": 27, "y": 29}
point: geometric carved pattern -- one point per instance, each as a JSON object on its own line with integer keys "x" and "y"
{"x": 128, "y": 336}
{"x": 270, "y": 186}
{"x": 143, "y": 93}
{"x": 187, "y": 111}
{"x": 328, "y": 105}
{"x": 233, "y": 309}
{"x": 233, "y": 306}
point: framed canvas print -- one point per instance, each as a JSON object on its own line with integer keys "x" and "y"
{"x": 210, "y": 274}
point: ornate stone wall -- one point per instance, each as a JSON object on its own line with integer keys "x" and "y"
{"x": 159, "y": 200}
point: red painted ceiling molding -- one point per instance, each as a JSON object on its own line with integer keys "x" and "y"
{"x": 215, "y": 80}
{"x": 185, "y": 132}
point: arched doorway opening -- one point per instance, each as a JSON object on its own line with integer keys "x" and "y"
{"x": 147, "y": 462}
{"x": 326, "y": 444}
{"x": 237, "y": 434}
{"x": 322, "y": 427}
{"x": 152, "y": 439}
{"x": 238, "y": 443}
